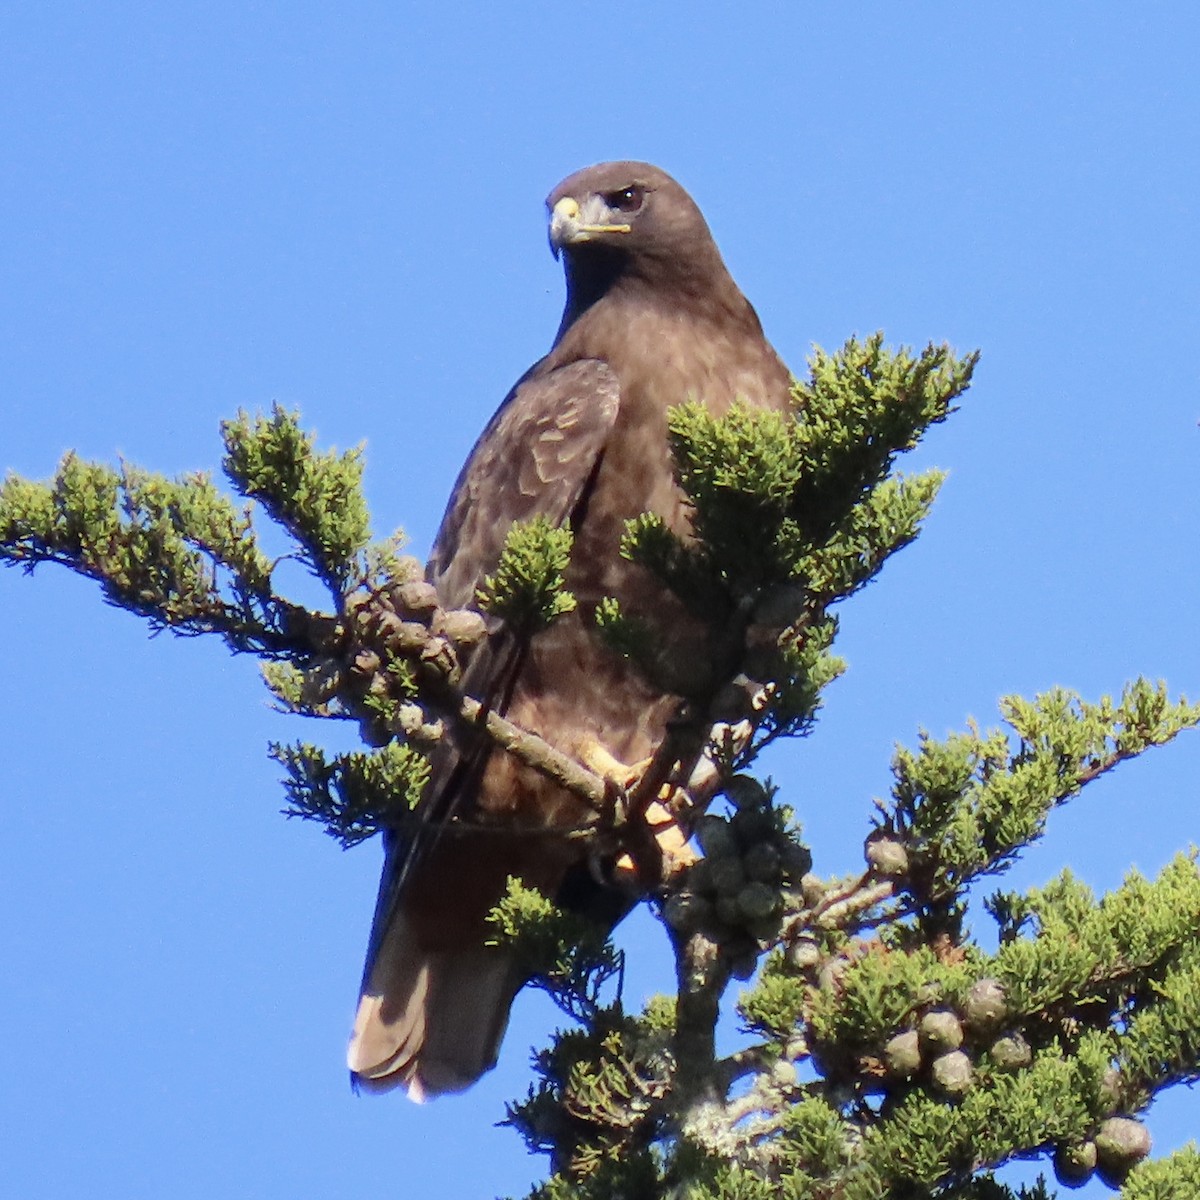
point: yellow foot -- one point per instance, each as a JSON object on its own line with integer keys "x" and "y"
{"x": 671, "y": 839}
{"x": 598, "y": 760}
{"x": 672, "y": 844}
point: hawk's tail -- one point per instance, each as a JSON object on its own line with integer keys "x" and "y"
{"x": 430, "y": 1020}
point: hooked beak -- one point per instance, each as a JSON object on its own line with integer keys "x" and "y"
{"x": 570, "y": 224}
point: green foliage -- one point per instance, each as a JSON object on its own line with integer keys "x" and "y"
{"x": 925, "y": 1141}
{"x": 814, "y": 1134}
{"x": 316, "y": 497}
{"x": 353, "y": 795}
{"x": 772, "y": 489}
{"x": 863, "y": 405}
{"x": 791, "y": 512}
{"x": 967, "y": 805}
{"x": 885, "y": 521}
{"x": 1104, "y": 994}
{"x": 176, "y": 552}
{"x": 630, "y": 1177}
{"x": 309, "y": 690}
{"x": 593, "y": 1107}
{"x": 801, "y": 667}
{"x": 567, "y": 956}
{"x": 1107, "y": 993}
{"x": 627, "y": 636}
{"x": 776, "y": 1006}
{"x": 182, "y": 555}
{"x": 683, "y": 567}
{"x": 1084, "y": 950}
{"x": 880, "y": 993}
{"x": 1162, "y": 1043}
{"x": 1176, "y": 1177}
{"x": 526, "y": 590}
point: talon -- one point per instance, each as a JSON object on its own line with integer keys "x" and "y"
{"x": 664, "y": 826}
{"x": 672, "y": 844}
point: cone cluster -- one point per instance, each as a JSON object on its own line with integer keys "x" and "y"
{"x": 749, "y": 878}
{"x": 397, "y": 638}
{"x": 944, "y": 1048}
{"x": 1118, "y": 1146}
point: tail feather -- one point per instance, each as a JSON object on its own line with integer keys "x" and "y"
{"x": 430, "y": 1020}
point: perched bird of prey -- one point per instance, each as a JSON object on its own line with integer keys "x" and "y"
{"x": 652, "y": 319}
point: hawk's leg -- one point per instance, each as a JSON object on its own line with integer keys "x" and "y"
{"x": 661, "y": 823}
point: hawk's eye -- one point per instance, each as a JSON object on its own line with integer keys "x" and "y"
{"x": 627, "y": 200}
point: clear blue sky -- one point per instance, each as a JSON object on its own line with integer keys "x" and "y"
{"x": 340, "y": 208}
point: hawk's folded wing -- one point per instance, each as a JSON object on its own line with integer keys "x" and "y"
{"x": 537, "y": 457}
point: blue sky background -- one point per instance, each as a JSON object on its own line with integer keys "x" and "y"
{"x": 207, "y": 207}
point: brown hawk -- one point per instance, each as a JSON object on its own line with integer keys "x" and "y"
{"x": 652, "y": 319}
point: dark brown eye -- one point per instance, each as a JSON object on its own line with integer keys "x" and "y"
{"x": 626, "y": 200}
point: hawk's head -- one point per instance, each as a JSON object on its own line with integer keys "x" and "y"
{"x": 628, "y": 229}
{"x": 625, "y": 210}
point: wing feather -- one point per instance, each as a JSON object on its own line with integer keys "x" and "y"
{"x": 535, "y": 458}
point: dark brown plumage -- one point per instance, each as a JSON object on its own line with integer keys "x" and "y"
{"x": 652, "y": 319}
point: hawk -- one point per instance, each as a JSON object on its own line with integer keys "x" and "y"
{"x": 652, "y": 319}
